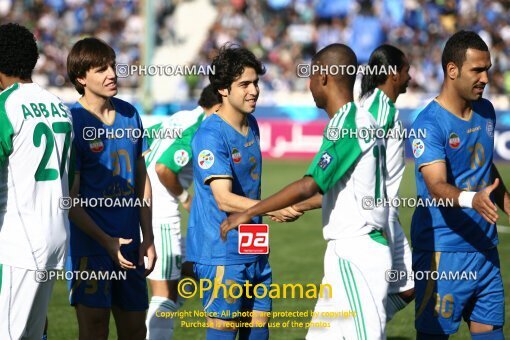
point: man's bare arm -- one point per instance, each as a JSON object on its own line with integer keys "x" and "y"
{"x": 434, "y": 176}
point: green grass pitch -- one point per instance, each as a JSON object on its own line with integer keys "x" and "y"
{"x": 297, "y": 251}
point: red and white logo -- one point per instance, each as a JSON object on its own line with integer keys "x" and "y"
{"x": 253, "y": 239}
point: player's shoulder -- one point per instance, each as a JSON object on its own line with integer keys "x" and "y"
{"x": 430, "y": 114}
{"x": 484, "y": 107}
{"x": 123, "y": 107}
{"x": 209, "y": 129}
{"x": 8, "y": 94}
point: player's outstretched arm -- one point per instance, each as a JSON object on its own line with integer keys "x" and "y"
{"x": 144, "y": 194}
{"x": 435, "y": 178}
{"x": 171, "y": 182}
{"x": 231, "y": 203}
{"x": 501, "y": 195}
{"x": 314, "y": 202}
{"x": 79, "y": 217}
{"x": 294, "y": 193}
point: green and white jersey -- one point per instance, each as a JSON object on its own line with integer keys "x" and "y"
{"x": 175, "y": 154}
{"x": 387, "y": 117}
{"x": 350, "y": 173}
{"x": 35, "y": 140}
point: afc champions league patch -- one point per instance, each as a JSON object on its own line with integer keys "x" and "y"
{"x": 490, "y": 128}
{"x": 181, "y": 157}
{"x": 205, "y": 159}
{"x": 454, "y": 140}
{"x": 418, "y": 147}
{"x": 325, "y": 160}
{"x": 96, "y": 145}
{"x": 236, "y": 155}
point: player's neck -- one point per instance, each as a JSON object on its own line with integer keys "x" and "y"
{"x": 234, "y": 118}
{"x": 389, "y": 91}
{"x": 8, "y": 81}
{"x": 451, "y": 101}
{"x": 337, "y": 101}
{"x": 101, "y": 107}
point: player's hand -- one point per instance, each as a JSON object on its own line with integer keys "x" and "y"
{"x": 288, "y": 214}
{"x": 187, "y": 205}
{"x": 232, "y": 222}
{"x": 113, "y": 249}
{"x": 147, "y": 249}
{"x": 483, "y": 204}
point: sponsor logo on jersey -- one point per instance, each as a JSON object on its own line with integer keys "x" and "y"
{"x": 250, "y": 143}
{"x": 418, "y": 147}
{"x": 253, "y": 239}
{"x": 181, "y": 157}
{"x": 236, "y": 155}
{"x": 96, "y": 145}
{"x": 454, "y": 140}
{"x": 205, "y": 159}
{"x": 490, "y": 128}
{"x": 325, "y": 160}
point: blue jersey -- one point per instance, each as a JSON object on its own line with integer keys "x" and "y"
{"x": 220, "y": 151}
{"x": 466, "y": 146}
{"x": 107, "y": 170}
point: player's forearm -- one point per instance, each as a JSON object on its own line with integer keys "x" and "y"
{"x": 82, "y": 220}
{"x": 314, "y": 202}
{"x": 500, "y": 193}
{"x": 231, "y": 203}
{"x": 169, "y": 180}
{"x": 293, "y": 193}
{"x": 445, "y": 192}
{"x": 146, "y": 210}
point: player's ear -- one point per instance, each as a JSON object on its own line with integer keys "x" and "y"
{"x": 223, "y": 92}
{"x": 452, "y": 71}
{"x": 324, "y": 79}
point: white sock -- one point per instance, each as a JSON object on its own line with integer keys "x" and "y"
{"x": 158, "y": 327}
{"x": 394, "y": 303}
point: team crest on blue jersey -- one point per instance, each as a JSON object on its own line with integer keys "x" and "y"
{"x": 490, "y": 128}
{"x": 236, "y": 155}
{"x": 418, "y": 147}
{"x": 96, "y": 145}
{"x": 454, "y": 140}
{"x": 325, "y": 160}
{"x": 205, "y": 159}
{"x": 181, "y": 157}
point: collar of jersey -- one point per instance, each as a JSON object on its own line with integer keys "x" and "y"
{"x": 97, "y": 117}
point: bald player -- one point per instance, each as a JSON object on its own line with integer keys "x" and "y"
{"x": 343, "y": 173}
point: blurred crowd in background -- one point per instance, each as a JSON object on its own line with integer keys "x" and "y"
{"x": 283, "y": 33}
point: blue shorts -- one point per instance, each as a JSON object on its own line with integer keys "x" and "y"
{"x": 128, "y": 292}
{"x": 217, "y": 301}
{"x": 469, "y": 286}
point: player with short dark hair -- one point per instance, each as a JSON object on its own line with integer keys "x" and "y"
{"x": 107, "y": 239}
{"x": 454, "y": 162}
{"x": 35, "y": 139}
{"x": 379, "y": 92}
{"x": 227, "y": 174}
{"x": 344, "y": 171}
{"x": 169, "y": 165}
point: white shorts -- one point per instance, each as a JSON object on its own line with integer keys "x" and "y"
{"x": 356, "y": 307}
{"x": 169, "y": 248}
{"x": 23, "y": 303}
{"x": 401, "y": 258}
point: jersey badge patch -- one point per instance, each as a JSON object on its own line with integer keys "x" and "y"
{"x": 418, "y": 147}
{"x": 454, "y": 140}
{"x": 236, "y": 155}
{"x": 205, "y": 159}
{"x": 181, "y": 157}
{"x": 96, "y": 145}
{"x": 325, "y": 160}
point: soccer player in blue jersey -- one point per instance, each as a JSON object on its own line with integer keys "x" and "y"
{"x": 454, "y": 162}
{"x": 107, "y": 239}
{"x": 227, "y": 170}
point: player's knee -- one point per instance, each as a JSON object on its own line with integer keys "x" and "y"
{"x": 425, "y": 336}
{"x": 133, "y": 333}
